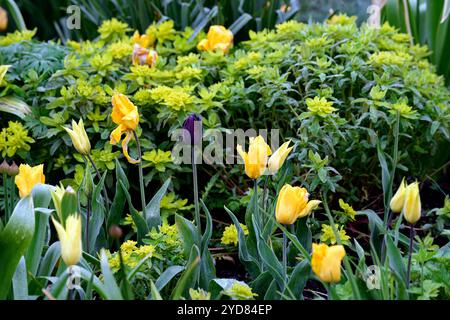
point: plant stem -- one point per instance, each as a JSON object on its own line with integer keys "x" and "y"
{"x": 256, "y": 203}
{"x": 285, "y": 255}
{"x": 265, "y": 196}
{"x": 88, "y": 216}
{"x": 5, "y": 197}
{"x": 99, "y": 176}
{"x": 348, "y": 269}
{"x": 411, "y": 238}
{"x": 12, "y": 197}
{"x": 141, "y": 174}
{"x": 195, "y": 181}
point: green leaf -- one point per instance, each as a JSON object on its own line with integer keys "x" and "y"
{"x": 98, "y": 214}
{"x": 118, "y": 204}
{"x": 14, "y": 241}
{"x": 111, "y": 287}
{"x": 190, "y": 275}
{"x": 152, "y": 210}
{"x": 16, "y": 14}
{"x": 395, "y": 258}
{"x": 188, "y": 233}
{"x": 298, "y": 278}
{"x": 20, "y": 282}
{"x": 167, "y": 276}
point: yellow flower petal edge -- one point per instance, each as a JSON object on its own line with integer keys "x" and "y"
{"x": 326, "y": 262}
{"x": 28, "y": 177}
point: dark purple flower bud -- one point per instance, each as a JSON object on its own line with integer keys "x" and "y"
{"x": 193, "y": 129}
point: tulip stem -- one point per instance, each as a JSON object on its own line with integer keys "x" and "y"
{"x": 265, "y": 198}
{"x": 195, "y": 181}
{"x": 256, "y": 202}
{"x": 88, "y": 217}
{"x": 99, "y": 176}
{"x": 347, "y": 265}
{"x": 141, "y": 174}
{"x": 5, "y": 196}
{"x": 411, "y": 238}
{"x": 12, "y": 198}
{"x": 285, "y": 255}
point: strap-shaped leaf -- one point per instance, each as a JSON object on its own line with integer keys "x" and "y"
{"x": 152, "y": 213}
{"x": 14, "y": 241}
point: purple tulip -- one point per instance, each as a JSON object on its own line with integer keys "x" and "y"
{"x": 193, "y": 129}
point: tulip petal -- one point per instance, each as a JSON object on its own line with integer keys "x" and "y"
{"x": 125, "y": 148}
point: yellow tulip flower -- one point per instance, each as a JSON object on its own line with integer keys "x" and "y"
{"x": 412, "y": 207}
{"x": 218, "y": 38}
{"x": 70, "y": 238}
{"x": 79, "y": 137}
{"x": 278, "y": 157}
{"x": 3, "y": 19}
{"x": 326, "y": 261}
{"x": 28, "y": 177}
{"x": 126, "y": 116}
{"x": 292, "y": 203}
{"x": 256, "y": 158}
{"x": 398, "y": 199}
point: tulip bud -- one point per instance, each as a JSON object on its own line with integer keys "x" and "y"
{"x": 4, "y": 167}
{"x": 115, "y": 232}
{"x": 79, "y": 137}
{"x": 326, "y": 262}
{"x": 70, "y": 239}
{"x": 399, "y": 198}
{"x": 193, "y": 131}
{"x": 291, "y": 201}
{"x": 256, "y": 158}
{"x": 3, "y": 19}
{"x": 13, "y": 170}
{"x": 278, "y": 157}
{"x": 412, "y": 207}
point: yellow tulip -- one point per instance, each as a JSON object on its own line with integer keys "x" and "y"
{"x": 79, "y": 137}
{"x": 278, "y": 157}
{"x": 412, "y": 207}
{"x": 256, "y": 158}
{"x": 218, "y": 38}
{"x": 398, "y": 199}
{"x": 326, "y": 261}
{"x": 28, "y": 177}
{"x": 142, "y": 56}
{"x": 3, "y": 19}
{"x": 70, "y": 239}
{"x": 292, "y": 203}
{"x": 126, "y": 116}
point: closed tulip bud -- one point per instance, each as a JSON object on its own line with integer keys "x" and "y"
{"x": 398, "y": 199}
{"x": 115, "y": 232}
{"x": 13, "y": 170}
{"x": 70, "y": 238}
{"x": 193, "y": 131}
{"x": 3, "y": 19}
{"x": 218, "y": 38}
{"x": 28, "y": 177}
{"x": 4, "y": 167}
{"x": 412, "y": 207}
{"x": 256, "y": 158}
{"x": 79, "y": 137}
{"x": 57, "y": 196}
{"x": 277, "y": 159}
{"x": 326, "y": 262}
{"x": 293, "y": 203}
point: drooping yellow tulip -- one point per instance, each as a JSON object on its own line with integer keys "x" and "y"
{"x": 3, "y": 19}
{"x": 70, "y": 238}
{"x": 412, "y": 207}
{"x": 28, "y": 177}
{"x": 218, "y": 38}
{"x": 398, "y": 199}
{"x": 126, "y": 116}
{"x": 79, "y": 137}
{"x": 292, "y": 203}
{"x": 256, "y": 158}
{"x": 326, "y": 261}
{"x": 277, "y": 159}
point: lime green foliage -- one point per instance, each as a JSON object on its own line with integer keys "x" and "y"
{"x": 348, "y": 209}
{"x": 157, "y": 159}
{"x": 17, "y": 36}
{"x": 329, "y": 237}
{"x": 132, "y": 254}
{"x": 14, "y": 139}
{"x": 199, "y": 294}
{"x": 230, "y": 235}
{"x": 240, "y": 291}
